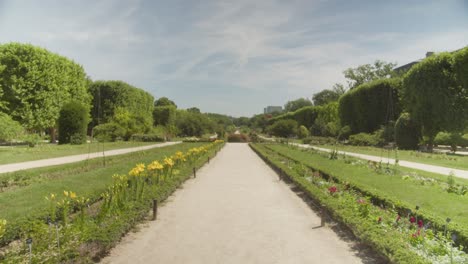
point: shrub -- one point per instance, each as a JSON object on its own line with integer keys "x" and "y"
{"x": 9, "y": 128}
{"x": 318, "y": 140}
{"x": 147, "y": 138}
{"x": 365, "y": 139}
{"x": 302, "y": 132}
{"x": 109, "y": 132}
{"x": 283, "y": 128}
{"x": 73, "y": 121}
{"x": 32, "y": 139}
{"x": 77, "y": 139}
{"x": 238, "y": 138}
{"x": 407, "y": 132}
{"x": 451, "y": 139}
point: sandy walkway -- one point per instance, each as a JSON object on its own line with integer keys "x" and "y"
{"x": 235, "y": 211}
{"x": 75, "y": 158}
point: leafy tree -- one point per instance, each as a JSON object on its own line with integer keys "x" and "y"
{"x": 73, "y": 122}
{"x": 164, "y": 101}
{"x": 37, "y": 83}
{"x": 193, "y": 124}
{"x": 327, "y": 96}
{"x": 368, "y": 72}
{"x": 283, "y": 128}
{"x": 109, "y": 97}
{"x": 195, "y": 110}
{"x": 294, "y": 105}
{"x": 9, "y": 128}
{"x": 433, "y": 97}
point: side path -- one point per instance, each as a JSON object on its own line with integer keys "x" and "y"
{"x": 414, "y": 165}
{"x": 235, "y": 211}
{"x": 75, "y": 158}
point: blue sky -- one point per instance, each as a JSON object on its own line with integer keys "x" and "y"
{"x": 234, "y": 57}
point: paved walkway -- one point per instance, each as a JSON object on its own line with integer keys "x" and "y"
{"x": 235, "y": 211}
{"x": 75, "y": 158}
{"x": 414, "y": 165}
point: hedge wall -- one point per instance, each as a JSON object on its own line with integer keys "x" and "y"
{"x": 370, "y": 105}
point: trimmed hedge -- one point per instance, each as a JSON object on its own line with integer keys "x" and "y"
{"x": 407, "y": 132}
{"x": 72, "y": 123}
{"x": 370, "y": 105}
{"x": 147, "y": 138}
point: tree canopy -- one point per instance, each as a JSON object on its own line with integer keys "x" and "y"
{"x": 368, "y": 72}
{"x": 36, "y": 84}
{"x": 327, "y": 96}
{"x": 294, "y": 105}
{"x": 164, "y": 101}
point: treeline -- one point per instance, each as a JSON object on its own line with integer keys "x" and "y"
{"x": 43, "y": 93}
{"x": 428, "y": 104}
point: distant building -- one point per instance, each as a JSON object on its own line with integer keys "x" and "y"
{"x": 272, "y": 109}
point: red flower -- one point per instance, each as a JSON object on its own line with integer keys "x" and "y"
{"x": 379, "y": 220}
{"x": 332, "y": 189}
{"x": 412, "y": 219}
{"x": 420, "y": 223}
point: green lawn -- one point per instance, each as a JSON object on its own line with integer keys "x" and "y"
{"x": 430, "y": 198}
{"x": 86, "y": 178}
{"x": 44, "y": 151}
{"x": 446, "y": 160}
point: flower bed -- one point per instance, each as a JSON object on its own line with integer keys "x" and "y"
{"x": 80, "y": 229}
{"x": 401, "y": 237}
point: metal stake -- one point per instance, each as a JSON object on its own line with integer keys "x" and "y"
{"x": 155, "y": 209}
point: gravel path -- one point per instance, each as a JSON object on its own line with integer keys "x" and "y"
{"x": 414, "y": 165}
{"x": 75, "y": 158}
{"x": 235, "y": 211}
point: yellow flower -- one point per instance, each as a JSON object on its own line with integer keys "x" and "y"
{"x": 168, "y": 162}
{"x": 65, "y": 193}
{"x": 2, "y": 227}
{"x": 72, "y": 195}
{"x": 139, "y": 168}
{"x": 155, "y": 165}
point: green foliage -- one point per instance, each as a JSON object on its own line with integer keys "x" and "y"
{"x": 294, "y": 105}
{"x": 407, "y": 132}
{"x": 120, "y": 102}
{"x": 32, "y": 139}
{"x": 367, "y": 107}
{"x": 305, "y": 116}
{"x": 238, "y": 138}
{"x": 364, "y": 139}
{"x": 283, "y": 128}
{"x": 73, "y": 122}
{"x": 109, "y": 132}
{"x": 327, "y": 122}
{"x": 36, "y": 83}
{"x": 460, "y": 67}
{"x": 164, "y": 115}
{"x": 147, "y": 138}
{"x": 328, "y": 96}
{"x": 368, "y": 72}
{"x": 450, "y": 139}
{"x": 164, "y": 101}
{"x": 9, "y": 129}
{"x": 303, "y": 132}
{"x": 433, "y": 97}
{"x": 191, "y": 123}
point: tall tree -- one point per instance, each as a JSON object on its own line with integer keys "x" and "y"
{"x": 327, "y": 96}
{"x": 292, "y": 106}
{"x": 37, "y": 83}
{"x": 368, "y": 72}
{"x": 164, "y": 101}
{"x": 433, "y": 97}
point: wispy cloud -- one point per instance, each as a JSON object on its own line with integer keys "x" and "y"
{"x": 233, "y": 57}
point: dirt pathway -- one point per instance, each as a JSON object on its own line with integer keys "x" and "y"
{"x": 235, "y": 211}
{"x": 75, "y": 158}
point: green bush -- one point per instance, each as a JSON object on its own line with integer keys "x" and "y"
{"x": 407, "y": 132}
{"x": 147, "y": 138}
{"x": 303, "y": 132}
{"x": 365, "y": 139}
{"x": 283, "y": 128}
{"x": 319, "y": 140}
{"x": 450, "y": 139}
{"x": 238, "y": 138}
{"x": 109, "y": 132}
{"x": 32, "y": 139}
{"x": 73, "y": 121}
{"x": 9, "y": 128}
{"x": 370, "y": 105}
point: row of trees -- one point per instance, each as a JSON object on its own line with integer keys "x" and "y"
{"x": 410, "y": 107}
{"x": 42, "y": 91}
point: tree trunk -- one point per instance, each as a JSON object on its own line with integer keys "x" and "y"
{"x": 52, "y": 133}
